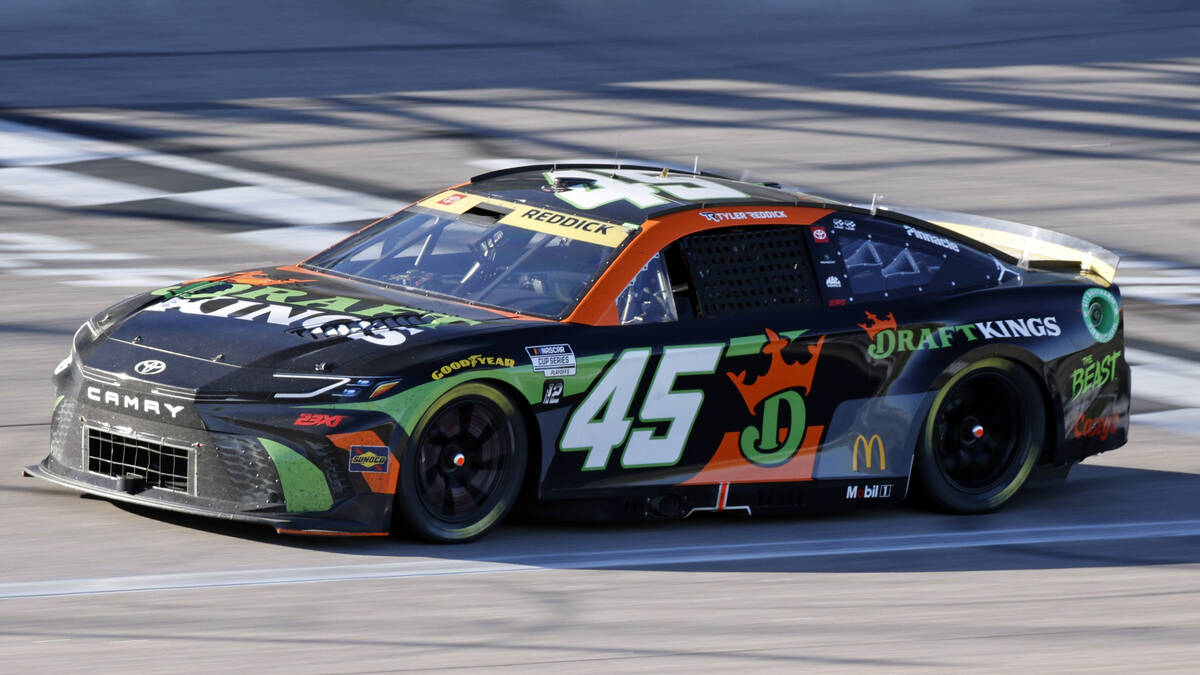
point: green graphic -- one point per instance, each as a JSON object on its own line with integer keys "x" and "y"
{"x": 1093, "y": 374}
{"x": 304, "y": 486}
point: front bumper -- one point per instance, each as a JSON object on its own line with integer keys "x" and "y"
{"x": 284, "y": 523}
{"x": 248, "y": 462}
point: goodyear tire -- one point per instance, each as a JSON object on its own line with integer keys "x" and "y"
{"x": 463, "y": 470}
{"x": 982, "y": 438}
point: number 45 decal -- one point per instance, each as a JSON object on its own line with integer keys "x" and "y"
{"x": 602, "y": 421}
{"x": 638, "y": 187}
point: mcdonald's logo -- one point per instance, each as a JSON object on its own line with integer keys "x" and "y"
{"x": 867, "y": 444}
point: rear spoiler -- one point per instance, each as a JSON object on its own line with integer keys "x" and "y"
{"x": 1029, "y": 246}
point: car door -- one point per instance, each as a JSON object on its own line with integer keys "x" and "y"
{"x": 728, "y": 370}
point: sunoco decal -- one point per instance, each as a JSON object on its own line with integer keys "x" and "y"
{"x": 369, "y": 458}
{"x": 552, "y": 360}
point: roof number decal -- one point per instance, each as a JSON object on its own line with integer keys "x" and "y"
{"x": 643, "y": 189}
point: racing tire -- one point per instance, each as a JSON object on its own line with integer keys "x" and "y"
{"x": 463, "y": 469}
{"x": 981, "y": 439}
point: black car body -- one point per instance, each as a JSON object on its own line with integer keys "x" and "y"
{"x": 615, "y": 342}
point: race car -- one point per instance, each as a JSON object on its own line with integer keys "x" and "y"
{"x": 604, "y": 341}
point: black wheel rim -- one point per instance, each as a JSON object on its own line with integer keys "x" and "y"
{"x": 461, "y": 460}
{"x": 979, "y": 429}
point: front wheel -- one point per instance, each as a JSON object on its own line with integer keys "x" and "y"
{"x": 982, "y": 437}
{"x": 463, "y": 468}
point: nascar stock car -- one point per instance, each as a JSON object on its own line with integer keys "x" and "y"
{"x": 603, "y": 341}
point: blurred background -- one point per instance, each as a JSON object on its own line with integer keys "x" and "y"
{"x": 147, "y": 141}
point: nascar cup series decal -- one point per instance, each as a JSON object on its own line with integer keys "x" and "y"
{"x": 552, "y": 360}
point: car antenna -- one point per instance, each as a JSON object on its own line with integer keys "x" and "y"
{"x": 875, "y": 202}
{"x": 696, "y": 165}
{"x": 558, "y": 184}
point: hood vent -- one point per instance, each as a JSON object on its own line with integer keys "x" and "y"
{"x": 348, "y": 327}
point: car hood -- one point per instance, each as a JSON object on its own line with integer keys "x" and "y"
{"x": 289, "y": 318}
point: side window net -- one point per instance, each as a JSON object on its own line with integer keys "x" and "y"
{"x": 741, "y": 270}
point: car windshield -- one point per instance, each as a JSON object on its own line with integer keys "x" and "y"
{"x": 517, "y": 259}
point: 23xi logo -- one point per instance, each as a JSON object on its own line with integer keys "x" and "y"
{"x": 775, "y": 399}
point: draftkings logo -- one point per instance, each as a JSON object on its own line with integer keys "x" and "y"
{"x": 888, "y": 338}
{"x": 769, "y": 395}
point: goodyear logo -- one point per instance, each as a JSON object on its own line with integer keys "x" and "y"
{"x": 867, "y": 445}
{"x": 473, "y": 361}
{"x": 369, "y": 458}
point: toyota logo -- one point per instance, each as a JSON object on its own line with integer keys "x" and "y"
{"x": 151, "y": 367}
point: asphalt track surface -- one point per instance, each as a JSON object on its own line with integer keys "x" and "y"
{"x": 139, "y": 142}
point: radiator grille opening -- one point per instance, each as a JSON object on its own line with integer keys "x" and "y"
{"x": 159, "y": 465}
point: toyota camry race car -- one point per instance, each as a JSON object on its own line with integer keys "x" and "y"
{"x": 603, "y": 342}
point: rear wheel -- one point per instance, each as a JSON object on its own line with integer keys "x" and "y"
{"x": 462, "y": 471}
{"x": 982, "y": 437}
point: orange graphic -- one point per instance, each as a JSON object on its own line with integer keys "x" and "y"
{"x": 875, "y": 325}
{"x": 384, "y": 388}
{"x": 780, "y": 374}
{"x": 598, "y": 307}
{"x": 729, "y": 465}
{"x": 384, "y": 483}
{"x": 252, "y": 278}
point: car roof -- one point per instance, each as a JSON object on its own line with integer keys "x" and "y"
{"x": 546, "y": 184}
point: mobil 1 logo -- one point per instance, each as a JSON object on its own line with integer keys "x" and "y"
{"x": 552, "y": 360}
{"x": 876, "y": 491}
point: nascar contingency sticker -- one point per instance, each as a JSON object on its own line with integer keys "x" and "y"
{"x": 552, "y": 360}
